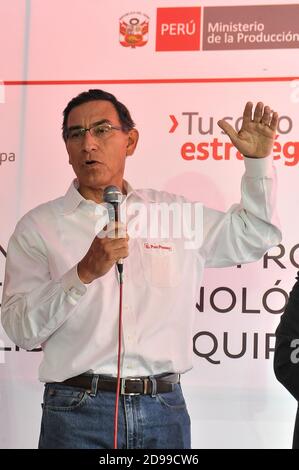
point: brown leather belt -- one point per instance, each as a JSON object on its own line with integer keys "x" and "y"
{"x": 129, "y": 386}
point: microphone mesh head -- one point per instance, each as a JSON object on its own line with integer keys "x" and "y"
{"x": 112, "y": 195}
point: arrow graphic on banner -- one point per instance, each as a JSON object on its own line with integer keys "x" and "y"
{"x": 174, "y": 123}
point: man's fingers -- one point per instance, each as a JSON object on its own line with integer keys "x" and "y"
{"x": 228, "y": 129}
{"x": 266, "y": 117}
{"x": 258, "y": 112}
{"x": 247, "y": 114}
{"x": 113, "y": 230}
{"x": 274, "y": 121}
{"x": 121, "y": 253}
{"x": 114, "y": 249}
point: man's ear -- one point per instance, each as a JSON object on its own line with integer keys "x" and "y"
{"x": 133, "y": 136}
{"x": 68, "y": 153}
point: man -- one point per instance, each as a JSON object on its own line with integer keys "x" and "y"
{"x": 286, "y": 357}
{"x": 61, "y": 285}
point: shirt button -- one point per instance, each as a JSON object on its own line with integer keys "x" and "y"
{"x": 73, "y": 290}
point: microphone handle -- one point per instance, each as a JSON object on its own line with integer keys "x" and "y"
{"x": 120, "y": 262}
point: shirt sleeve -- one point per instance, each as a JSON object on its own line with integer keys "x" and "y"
{"x": 34, "y": 306}
{"x": 247, "y": 230}
{"x": 286, "y": 356}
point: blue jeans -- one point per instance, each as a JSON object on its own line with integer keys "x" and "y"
{"x": 75, "y": 419}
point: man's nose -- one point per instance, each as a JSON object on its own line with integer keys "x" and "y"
{"x": 89, "y": 142}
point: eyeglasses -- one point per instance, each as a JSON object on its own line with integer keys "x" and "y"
{"x": 99, "y": 131}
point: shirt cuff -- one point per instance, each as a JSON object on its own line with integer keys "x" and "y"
{"x": 72, "y": 285}
{"x": 259, "y": 167}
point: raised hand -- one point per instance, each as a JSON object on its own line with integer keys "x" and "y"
{"x": 256, "y": 137}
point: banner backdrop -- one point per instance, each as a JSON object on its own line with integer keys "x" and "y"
{"x": 179, "y": 66}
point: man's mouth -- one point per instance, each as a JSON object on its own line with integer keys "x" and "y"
{"x": 91, "y": 162}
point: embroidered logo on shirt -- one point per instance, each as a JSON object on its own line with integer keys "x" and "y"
{"x": 157, "y": 247}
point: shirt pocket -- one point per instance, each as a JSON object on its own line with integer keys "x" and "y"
{"x": 160, "y": 263}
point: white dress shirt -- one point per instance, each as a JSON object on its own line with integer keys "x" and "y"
{"x": 45, "y": 303}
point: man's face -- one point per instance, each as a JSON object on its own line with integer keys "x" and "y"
{"x": 99, "y": 161}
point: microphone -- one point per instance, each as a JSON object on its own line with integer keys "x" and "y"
{"x": 113, "y": 196}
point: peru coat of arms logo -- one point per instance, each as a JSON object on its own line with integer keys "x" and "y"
{"x": 133, "y": 29}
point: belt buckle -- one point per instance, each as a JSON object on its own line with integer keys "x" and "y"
{"x": 123, "y": 386}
